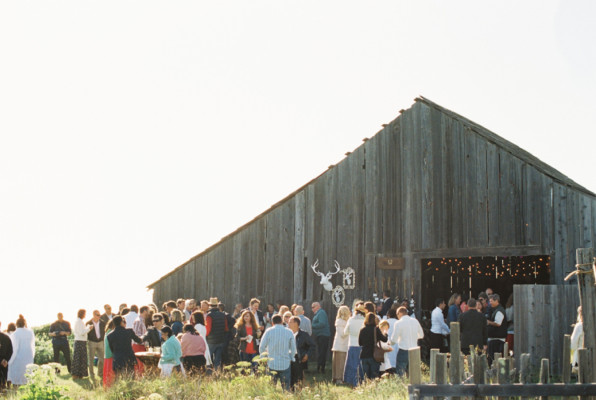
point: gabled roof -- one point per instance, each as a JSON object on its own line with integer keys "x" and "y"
{"x": 478, "y": 129}
{"x": 510, "y": 148}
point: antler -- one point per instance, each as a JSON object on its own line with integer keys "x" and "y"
{"x": 314, "y": 268}
{"x": 338, "y": 268}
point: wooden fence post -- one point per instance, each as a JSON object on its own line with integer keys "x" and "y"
{"x": 544, "y": 374}
{"x": 524, "y": 373}
{"x": 584, "y": 370}
{"x": 414, "y": 366}
{"x": 433, "y": 365}
{"x": 479, "y": 368}
{"x": 566, "y": 359}
{"x": 454, "y": 364}
{"x": 587, "y": 294}
{"x": 441, "y": 369}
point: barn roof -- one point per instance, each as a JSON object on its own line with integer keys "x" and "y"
{"x": 478, "y": 129}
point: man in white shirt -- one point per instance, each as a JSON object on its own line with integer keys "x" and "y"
{"x": 439, "y": 329}
{"x": 406, "y": 333}
{"x": 131, "y": 317}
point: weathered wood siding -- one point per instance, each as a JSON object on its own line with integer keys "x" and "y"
{"x": 430, "y": 184}
{"x": 543, "y": 314}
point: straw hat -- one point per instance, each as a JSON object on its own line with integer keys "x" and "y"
{"x": 213, "y": 302}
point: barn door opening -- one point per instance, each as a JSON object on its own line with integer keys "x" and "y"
{"x": 468, "y": 276}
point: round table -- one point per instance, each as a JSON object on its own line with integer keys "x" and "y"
{"x": 150, "y": 360}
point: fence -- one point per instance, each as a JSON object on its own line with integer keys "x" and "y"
{"x": 542, "y": 315}
{"x": 481, "y": 381}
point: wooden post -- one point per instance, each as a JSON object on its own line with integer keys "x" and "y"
{"x": 584, "y": 370}
{"x": 479, "y": 368}
{"x": 441, "y": 369}
{"x": 433, "y": 365}
{"x": 414, "y": 366}
{"x": 524, "y": 366}
{"x": 503, "y": 371}
{"x": 455, "y": 349}
{"x": 544, "y": 374}
{"x": 566, "y": 359}
{"x": 484, "y": 362}
{"x": 587, "y": 294}
{"x": 583, "y": 373}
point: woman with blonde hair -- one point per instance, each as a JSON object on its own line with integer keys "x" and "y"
{"x": 282, "y": 311}
{"x": 340, "y": 344}
{"x": 247, "y": 330}
{"x": 176, "y": 322}
{"x": 454, "y": 311}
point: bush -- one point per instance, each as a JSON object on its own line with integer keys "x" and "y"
{"x": 41, "y": 385}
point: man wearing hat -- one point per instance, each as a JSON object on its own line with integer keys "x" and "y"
{"x": 217, "y": 330}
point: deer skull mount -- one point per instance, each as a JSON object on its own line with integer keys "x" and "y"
{"x": 325, "y": 278}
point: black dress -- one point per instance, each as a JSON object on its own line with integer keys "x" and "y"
{"x": 5, "y": 354}
{"x": 123, "y": 356}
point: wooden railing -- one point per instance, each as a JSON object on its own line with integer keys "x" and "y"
{"x": 449, "y": 378}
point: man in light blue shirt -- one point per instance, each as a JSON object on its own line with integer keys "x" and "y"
{"x": 280, "y": 345}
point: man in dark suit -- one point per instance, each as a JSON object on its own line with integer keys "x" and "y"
{"x": 304, "y": 344}
{"x": 120, "y": 342}
{"x": 107, "y": 315}
{"x": 95, "y": 343}
{"x": 387, "y": 303}
{"x": 5, "y": 354}
{"x": 153, "y": 336}
{"x": 473, "y": 329}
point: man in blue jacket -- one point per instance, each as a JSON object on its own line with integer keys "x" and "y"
{"x": 321, "y": 330}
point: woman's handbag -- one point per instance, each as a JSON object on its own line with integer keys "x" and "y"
{"x": 378, "y": 352}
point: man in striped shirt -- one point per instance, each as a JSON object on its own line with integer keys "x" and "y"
{"x": 280, "y": 345}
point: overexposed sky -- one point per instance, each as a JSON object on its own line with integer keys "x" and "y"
{"x": 135, "y": 134}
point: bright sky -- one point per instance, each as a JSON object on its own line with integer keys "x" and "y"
{"x": 135, "y": 134}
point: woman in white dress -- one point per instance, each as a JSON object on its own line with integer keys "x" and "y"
{"x": 23, "y": 351}
{"x": 202, "y": 330}
{"x": 577, "y": 338}
{"x": 340, "y": 345}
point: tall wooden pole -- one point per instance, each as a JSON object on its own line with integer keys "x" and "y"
{"x": 587, "y": 298}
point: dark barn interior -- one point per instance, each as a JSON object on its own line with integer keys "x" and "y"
{"x": 468, "y": 276}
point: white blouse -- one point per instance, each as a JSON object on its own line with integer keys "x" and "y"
{"x": 340, "y": 342}
{"x": 353, "y": 327}
{"x": 80, "y": 330}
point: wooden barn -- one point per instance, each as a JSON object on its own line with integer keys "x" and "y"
{"x": 430, "y": 205}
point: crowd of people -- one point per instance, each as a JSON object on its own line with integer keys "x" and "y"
{"x": 197, "y": 338}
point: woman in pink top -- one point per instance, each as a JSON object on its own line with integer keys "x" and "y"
{"x": 193, "y": 350}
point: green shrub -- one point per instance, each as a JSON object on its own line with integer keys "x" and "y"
{"x": 41, "y": 385}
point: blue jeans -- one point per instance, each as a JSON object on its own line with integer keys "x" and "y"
{"x": 370, "y": 367}
{"x": 353, "y": 373}
{"x": 216, "y": 351}
{"x": 401, "y": 363}
{"x": 283, "y": 376}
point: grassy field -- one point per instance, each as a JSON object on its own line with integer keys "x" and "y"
{"x": 233, "y": 384}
